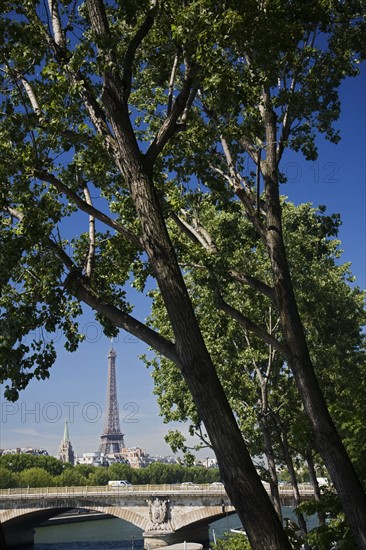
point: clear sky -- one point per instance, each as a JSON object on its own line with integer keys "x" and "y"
{"x": 77, "y": 387}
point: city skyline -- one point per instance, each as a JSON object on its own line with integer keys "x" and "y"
{"x": 38, "y": 421}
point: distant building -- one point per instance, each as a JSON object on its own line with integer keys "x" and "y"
{"x": 207, "y": 462}
{"x": 135, "y": 457}
{"x": 91, "y": 459}
{"x": 66, "y": 452}
{"x": 24, "y": 450}
{"x": 111, "y": 440}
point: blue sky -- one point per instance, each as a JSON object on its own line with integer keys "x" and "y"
{"x": 77, "y": 386}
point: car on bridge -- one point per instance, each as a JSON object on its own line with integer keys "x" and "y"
{"x": 120, "y": 483}
{"x": 188, "y": 486}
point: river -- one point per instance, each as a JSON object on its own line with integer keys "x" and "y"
{"x": 112, "y": 534}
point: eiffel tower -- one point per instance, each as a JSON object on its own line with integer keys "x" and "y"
{"x": 112, "y": 441}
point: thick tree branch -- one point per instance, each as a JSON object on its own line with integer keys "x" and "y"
{"x": 98, "y": 16}
{"x": 13, "y": 212}
{"x": 121, "y": 319}
{"x": 269, "y": 165}
{"x": 85, "y": 207}
{"x": 286, "y": 123}
{"x": 94, "y": 111}
{"x": 249, "y": 148}
{"x": 32, "y": 97}
{"x": 58, "y": 33}
{"x": 78, "y": 286}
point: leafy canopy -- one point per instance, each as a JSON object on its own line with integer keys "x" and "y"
{"x": 191, "y": 72}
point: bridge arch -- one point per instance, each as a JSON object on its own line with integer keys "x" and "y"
{"x": 35, "y": 516}
{"x": 206, "y": 514}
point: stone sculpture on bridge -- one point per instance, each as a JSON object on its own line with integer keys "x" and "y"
{"x": 158, "y": 514}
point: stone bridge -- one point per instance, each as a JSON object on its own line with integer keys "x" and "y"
{"x": 166, "y": 514}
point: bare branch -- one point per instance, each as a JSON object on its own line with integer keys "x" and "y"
{"x": 242, "y": 191}
{"x": 85, "y": 207}
{"x": 254, "y": 283}
{"x": 248, "y": 324}
{"x": 198, "y": 235}
{"x": 32, "y": 97}
{"x": 258, "y": 371}
{"x": 171, "y": 83}
{"x": 89, "y": 263}
{"x": 171, "y": 124}
{"x": 132, "y": 48}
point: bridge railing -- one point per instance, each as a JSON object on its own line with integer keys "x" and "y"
{"x": 151, "y": 489}
{"x": 103, "y": 490}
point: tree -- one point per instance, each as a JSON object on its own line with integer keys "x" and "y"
{"x": 99, "y": 476}
{"x": 129, "y": 102}
{"x": 232, "y": 542}
{"x": 120, "y": 471}
{"x": 7, "y": 478}
{"x": 84, "y": 469}
{"x": 70, "y": 477}
{"x": 36, "y": 477}
{"x": 52, "y": 465}
{"x": 17, "y": 462}
{"x": 259, "y": 385}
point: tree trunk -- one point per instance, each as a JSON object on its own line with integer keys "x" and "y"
{"x": 268, "y": 450}
{"x": 243, "y": 485}
{"x": 314, "y": 483}
{"x": 327, "y": 440}
{"x": 293, "y": 478}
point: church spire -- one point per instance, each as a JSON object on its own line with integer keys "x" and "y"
{"x": 66, "y": 438}
{"x": 66, "y": 452}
